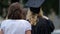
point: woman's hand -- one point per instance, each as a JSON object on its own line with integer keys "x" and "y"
{"x": 28, "y": 32}
{"x": 1, "y": 31}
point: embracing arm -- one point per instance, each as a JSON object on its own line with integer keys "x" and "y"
{"x": 28, "y": 32}
{"x": 1, "y": 31}
{"x": 27, "y": 28}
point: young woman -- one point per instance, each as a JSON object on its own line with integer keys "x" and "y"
{"x": 40, "y": 23}
{"x": 15, "y": 24}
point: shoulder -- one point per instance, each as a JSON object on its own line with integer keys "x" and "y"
{"x": 45, "y": 17}
{"x": 4, "y": 21}
{"x": 27, "y": 23}
{"x": 24, "y": 21}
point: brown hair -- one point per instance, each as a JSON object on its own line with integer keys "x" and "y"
{"x": 15, "y": 11}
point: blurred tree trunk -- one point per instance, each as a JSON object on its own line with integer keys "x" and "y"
{"x": 59, "y": 8}
{"x": 3, "y": 4}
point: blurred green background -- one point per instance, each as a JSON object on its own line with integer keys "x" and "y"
{"x": 47, "y": 6}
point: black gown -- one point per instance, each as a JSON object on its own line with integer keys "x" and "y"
{"x": 43, "y": 26}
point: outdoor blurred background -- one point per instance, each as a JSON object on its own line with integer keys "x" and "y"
{"x": 50, "y": 9}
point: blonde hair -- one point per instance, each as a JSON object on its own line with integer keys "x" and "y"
{"x": 33, "y": 17}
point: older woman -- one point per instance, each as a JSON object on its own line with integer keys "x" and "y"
{"x": 15, "y": 24}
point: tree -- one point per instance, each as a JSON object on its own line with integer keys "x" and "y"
{"x": 3, "y": 4}
{"x": 51, "y": 4}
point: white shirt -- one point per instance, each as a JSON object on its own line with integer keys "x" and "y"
{"x": 15, "y": 26}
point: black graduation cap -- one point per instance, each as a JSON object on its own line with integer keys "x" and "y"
{"x": 34, "y": 3}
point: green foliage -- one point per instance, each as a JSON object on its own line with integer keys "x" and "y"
{"x": 24, "y": 1}
{"x": 51, "y": 4}
{"x": 4, "y": 3}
